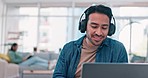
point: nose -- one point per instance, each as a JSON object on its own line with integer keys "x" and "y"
{"x": 98, "y": 31}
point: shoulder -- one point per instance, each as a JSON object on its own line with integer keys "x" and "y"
{"x": 75, "y": 43}
{"x": 69, "y": 45}
{"x": 118, "y": 50}
{"x": 117, "y": 46}
{"x": 115, "y": 43}
{"x": 11, "y": 52}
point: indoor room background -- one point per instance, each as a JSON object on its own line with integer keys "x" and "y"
{"x": 48, "y": 25}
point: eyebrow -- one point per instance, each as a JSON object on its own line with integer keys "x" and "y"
{"x": 105, "y": 25}
{"x": 94, "y": 23}
{"x": 98, "y": 24}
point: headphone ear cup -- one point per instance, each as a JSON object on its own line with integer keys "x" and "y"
{"x": 112, "y": 29}
{"x": 82, "y": 25}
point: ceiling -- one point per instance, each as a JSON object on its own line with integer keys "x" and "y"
{"x": 113, "y": 3}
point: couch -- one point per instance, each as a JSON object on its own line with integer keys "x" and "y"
{"x": 51, "y": 56}
{"x": 8, "y": 70}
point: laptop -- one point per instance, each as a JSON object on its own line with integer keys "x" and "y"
{"x": 114, "y": 70}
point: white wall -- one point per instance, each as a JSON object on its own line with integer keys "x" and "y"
{"x": 6, "y": 24}
{"x": 1, "y": 5}
{"x": 10, "y": 26}
{"x": 1, "y": 8}
{"x": 12, "y": 22}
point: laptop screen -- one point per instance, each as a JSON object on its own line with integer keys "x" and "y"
{"x": 114, "y": 70}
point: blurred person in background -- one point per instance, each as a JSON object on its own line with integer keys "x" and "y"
{"x": 28, "y": 60}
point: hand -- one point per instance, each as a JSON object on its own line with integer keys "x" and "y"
{"x": 26, "y": 57}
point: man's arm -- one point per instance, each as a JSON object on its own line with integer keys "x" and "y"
{"x": 123, "y": 57}
{"x": 60, "y": 69}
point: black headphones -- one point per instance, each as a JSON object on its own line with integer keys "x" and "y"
{"x": 99, "y": 9}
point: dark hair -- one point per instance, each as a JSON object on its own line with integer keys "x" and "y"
{"x": 13, "y": 45}
{"x": 99, "y": 9}
{"x": 35, "y": 49}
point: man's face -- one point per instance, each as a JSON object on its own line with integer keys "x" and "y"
{"x": 97, "y": 28}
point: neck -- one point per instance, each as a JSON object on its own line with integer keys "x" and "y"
{"x": 89, "y": 43}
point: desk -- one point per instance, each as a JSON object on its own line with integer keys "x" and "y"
{"x": 37, "y": 74}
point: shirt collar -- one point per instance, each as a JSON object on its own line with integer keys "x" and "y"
{"x": 106, "y": 42}
{"x": 79, "y": 41}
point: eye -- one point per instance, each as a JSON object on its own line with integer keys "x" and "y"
{"x": 93, "y": 26}
{"x": 105, "y": 27}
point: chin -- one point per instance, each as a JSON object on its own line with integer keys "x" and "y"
{"x": 97, "y": 43}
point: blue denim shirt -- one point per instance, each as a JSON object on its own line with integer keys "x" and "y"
{"x": 110, "y": 51}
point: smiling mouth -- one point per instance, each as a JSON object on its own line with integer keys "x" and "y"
{"x": 97, "y": 39}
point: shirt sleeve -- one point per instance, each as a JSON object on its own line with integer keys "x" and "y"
{"x": 123, "y": 57}
{"x": 14, "y": 57}
{"x": 60, "y": 69}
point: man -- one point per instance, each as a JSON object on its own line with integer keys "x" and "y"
{"x": 95, "y": 46}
